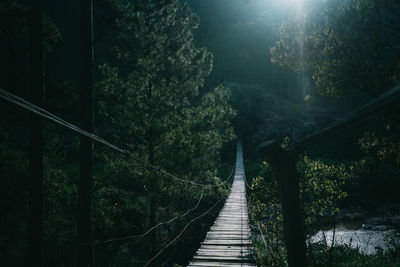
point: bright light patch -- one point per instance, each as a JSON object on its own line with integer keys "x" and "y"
{"x": 281, "y": 5}
{"x": 290, "y": 4}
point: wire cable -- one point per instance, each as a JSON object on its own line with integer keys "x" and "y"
{"x": 50, "y": 116}
{"x": 180, "y": 234}
{"x": 248, "y": 186}
{"x": 230, "y": 175}
{"x": 261, "y": 233}
{"x": 154, "y": 227}
{"x": 150, "y": 229}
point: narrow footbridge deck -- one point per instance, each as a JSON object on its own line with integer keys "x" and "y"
{"x": 228, "y": 243}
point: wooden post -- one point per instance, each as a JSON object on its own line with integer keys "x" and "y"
{"x": 85, "y": 235}
{"x": 283, "y": 164}
{"x": 35, "y": 224}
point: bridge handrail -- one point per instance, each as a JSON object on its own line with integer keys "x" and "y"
{"x": 52, "y": 117}
{"x": 376, "y": 107}
{"x": 5, "y": 95}
{"x": 182, "y": 231}
{"x": 283, "y": 162}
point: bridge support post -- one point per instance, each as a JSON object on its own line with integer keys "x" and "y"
{"x": 283, "y": 164}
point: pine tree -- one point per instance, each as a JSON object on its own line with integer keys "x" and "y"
{"x": 157, "y": 89}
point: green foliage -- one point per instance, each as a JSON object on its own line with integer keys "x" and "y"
{"x": 158, "y": 96}
{"x": 285, "y": 143}
{"x": 266, "y": 214}
{"x": 12, "y": 13}
{"x": 51, "y": 34}
{"x": 60, "y": 220}
{"x": 321, "y": 190}
{"x": 345, "y": 255}
{"x": 13, "y": 166}
{"x": 153, "y": 97}
{"x": 392, "y": 243}
{"x": 343, "y": 45}
{"x": 385, "y": 148}
{"x": 14, "y": 23}
{"x": 381, "y": 158}
{"x": 150, "y": 98}
{"x": 250, "y": 102}
{"x": 262, "y": 115}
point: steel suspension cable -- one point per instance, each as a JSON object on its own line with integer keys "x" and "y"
{"x": 180, "y": 234}
{"x": 152, "y": 228}
{"x": 261, "y": 233}
{"x": 50, "y": 116}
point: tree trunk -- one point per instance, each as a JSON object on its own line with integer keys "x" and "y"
{"x": 35, "y": 224}
{"x": 283, "y": 164}
{"x": 85, "y": 235}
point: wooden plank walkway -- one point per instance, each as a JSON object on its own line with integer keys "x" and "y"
{"x": 228, "y": 243}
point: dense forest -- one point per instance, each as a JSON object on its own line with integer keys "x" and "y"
{"x": 120, "y": 119}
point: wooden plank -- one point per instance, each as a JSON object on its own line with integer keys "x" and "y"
{"x": 228, "y": 243}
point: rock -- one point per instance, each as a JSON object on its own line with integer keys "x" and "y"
{"x": 352, "y": 216}
{"x": 393, "y": 220}
{"x": 380, "y": 227}
{"x": 366, "y": 226}
{"x": 372, "y": 227}
{"x": 374, "y": 220}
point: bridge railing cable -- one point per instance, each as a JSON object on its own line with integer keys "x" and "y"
{"x": 376, "y": 107}
{"x": 150, "y": 229}
{"x": 181, "y": 232}
{"x": 288, "y": 177}
{"x": 261, "y": 234}
{"x": 247, "y": 185}
{"x": 50, "y": 116}
{"x": 157, "y": 225}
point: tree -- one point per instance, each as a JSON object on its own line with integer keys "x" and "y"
{"x": 168, "y": 118}
{"x": 344, "y": 45}
{"x": 321, "y": 190}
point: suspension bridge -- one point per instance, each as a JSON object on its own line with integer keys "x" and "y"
{"x": 228, "y": 243}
